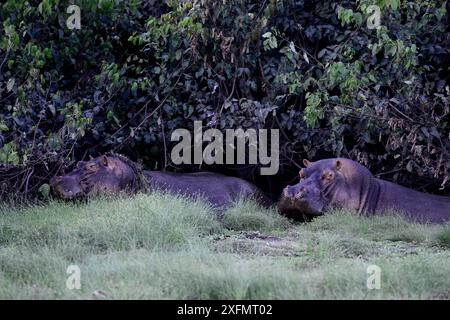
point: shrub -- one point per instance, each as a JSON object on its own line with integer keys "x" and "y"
{"x": 138, "y": 69}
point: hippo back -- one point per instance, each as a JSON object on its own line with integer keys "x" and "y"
{"x": 416, "y": 206}
{"x": 219, "y": 190}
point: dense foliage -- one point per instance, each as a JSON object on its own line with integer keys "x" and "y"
{"x": 138, "y": 69}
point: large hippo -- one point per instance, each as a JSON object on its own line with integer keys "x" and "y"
{"x": 113, "y": 173}
{"x": 344, "y": 183}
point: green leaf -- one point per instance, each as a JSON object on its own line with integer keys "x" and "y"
{"x": 44, "y": 190}
{"x": 10, "y": 84}
{"x": 178, "y": 54}
{"x": 3, "y": 127}
{"x": 134, "y": 89}
{"x": 394, "y": 4}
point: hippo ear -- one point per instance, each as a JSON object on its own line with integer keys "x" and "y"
{"x": 306, "y": 163}
{"x": 302, "y": 173}
{"x": 337, "y": 165}
{"x": 80, "y": 164}
{"x": 104, "y": 160}
{"x": 55, "y": 180}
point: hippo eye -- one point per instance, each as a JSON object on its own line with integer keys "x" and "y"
{"x": 91, "y": 166}
{"x": 80, "y": 164}
{"x": 327, "y": 176}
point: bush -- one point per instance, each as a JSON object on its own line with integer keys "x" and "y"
{"x": 138, "y": 69}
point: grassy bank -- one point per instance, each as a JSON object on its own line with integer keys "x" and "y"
{"x": 159, "y": 246}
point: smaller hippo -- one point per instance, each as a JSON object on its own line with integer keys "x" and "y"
{"x": 102, "y": 175}
{"x": 344, "y": 183}
{"x": 109, "y": 174}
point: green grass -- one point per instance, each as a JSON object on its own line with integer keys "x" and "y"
{"x": 159, "y": 246}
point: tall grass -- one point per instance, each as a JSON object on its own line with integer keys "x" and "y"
{"x": 160, "y": 246}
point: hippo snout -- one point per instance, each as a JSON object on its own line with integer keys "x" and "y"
{"x": 293, "y": 193}
{"x": 54, "y": 181}
{"x": 68, "y": 194}
{"x": 288, "y": 192}
{"x": 66, "y": 188}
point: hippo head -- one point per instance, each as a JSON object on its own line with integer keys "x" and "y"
{"x": 342, "y": 182}
{"x": 323, "y": 184}
{"x": 324, "y": 174}
{"x": 337, "y": 178}
{"x": 102, "y": 175}
{"x": 302, "y": 199}
{"x": 67, "y": 187}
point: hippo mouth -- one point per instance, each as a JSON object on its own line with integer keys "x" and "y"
{"x": 305, "y": 207}
{"x": 68, "y": 195}
{"x": 300, "y": 215}
{"x": 301, "y": 207}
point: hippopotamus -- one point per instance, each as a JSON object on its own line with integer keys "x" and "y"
{"x": 109, "y": 174}
{"x": 340, "y": 182}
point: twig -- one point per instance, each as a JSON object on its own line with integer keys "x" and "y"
{"x": 413, "y": 121}
{"x": 164, "y": 139}
{"x": 389, "y": 172}
{"x": 28, "y": 179}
